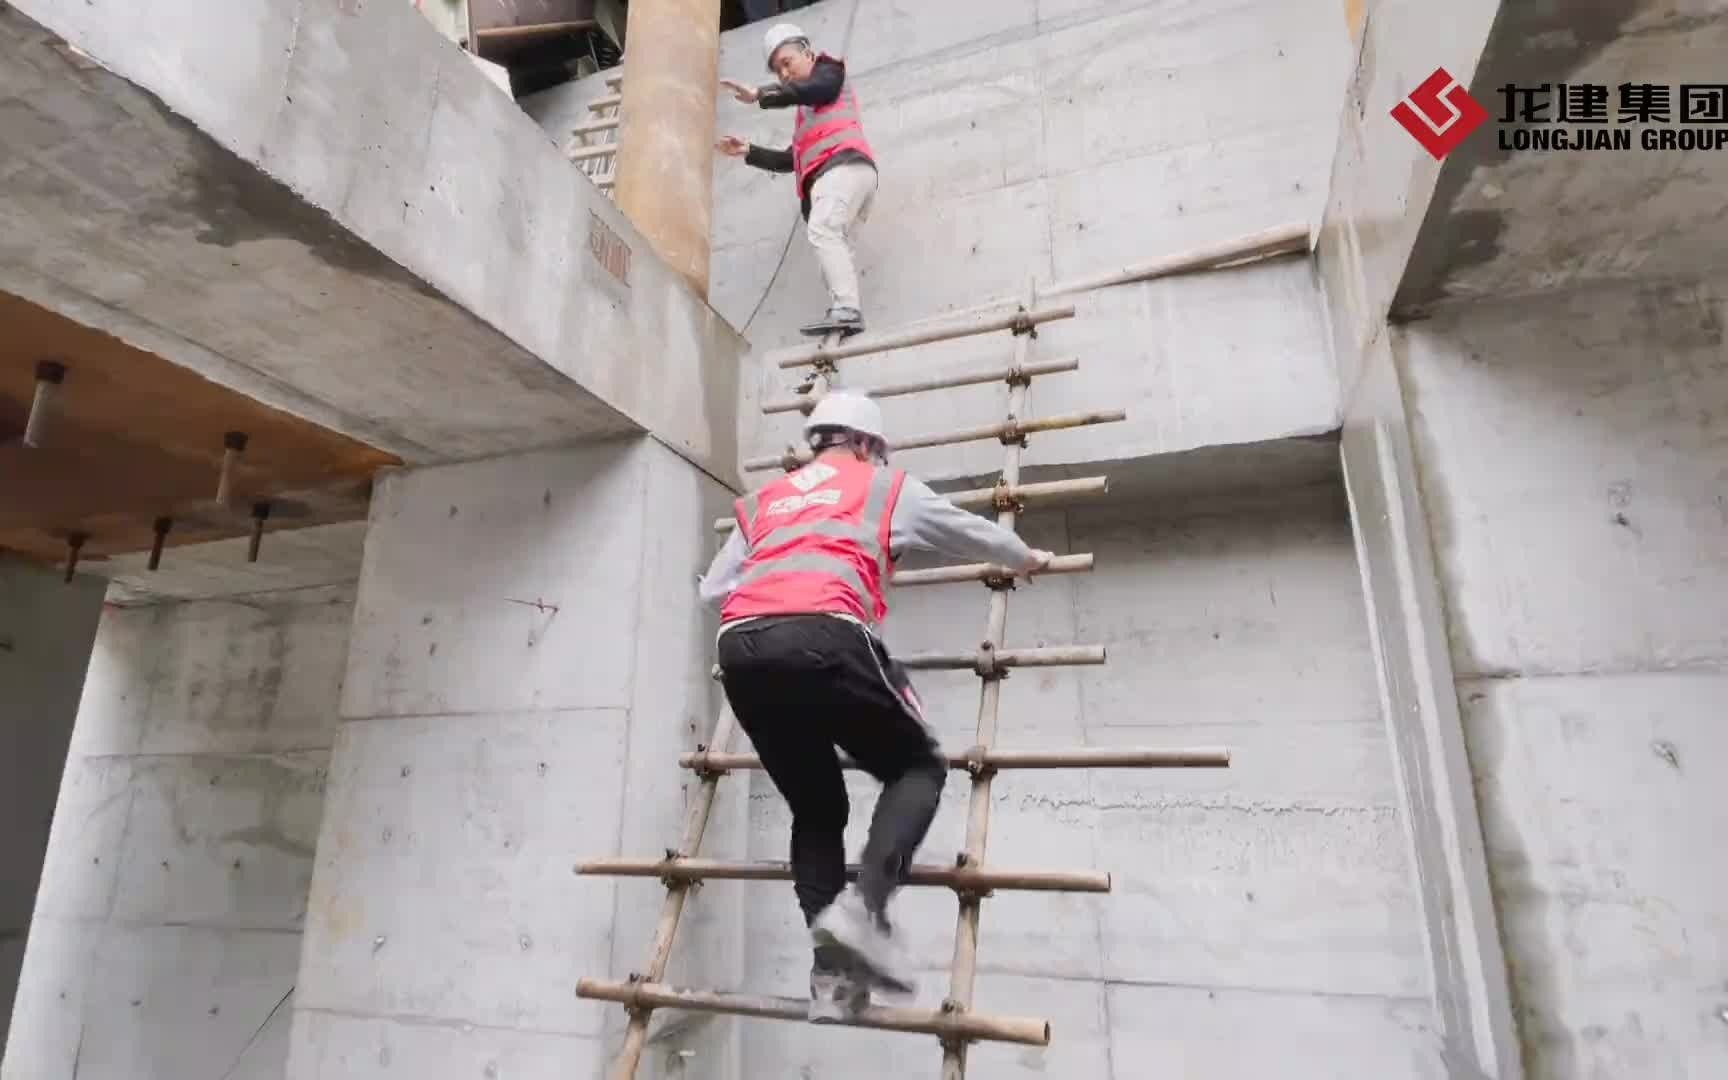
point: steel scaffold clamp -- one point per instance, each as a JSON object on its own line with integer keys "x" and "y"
{"x": 977, "y": 764}
{"x": 1017, "y": 374}
{"x": 1013, "y": 434}
{"x": 987, "y": 666}
{"x": 632, "y": 1002}
{"x": 1003, "y": 499}
{"x": 1023, "y": 324}
{"x": 701, "y": 764}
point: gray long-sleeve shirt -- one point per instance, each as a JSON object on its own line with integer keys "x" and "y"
{"x": 922, "y": 521}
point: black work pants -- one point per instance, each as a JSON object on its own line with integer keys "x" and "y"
{"x": 801, "y": 685}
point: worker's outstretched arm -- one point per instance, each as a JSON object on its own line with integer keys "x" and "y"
{"x": 722, "y": 576}
{"x": 925, "y": 521}
{"x": 821, "y": 88}
{"x": 769, "y": 160}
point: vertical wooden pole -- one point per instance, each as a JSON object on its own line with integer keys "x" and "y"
{"x": 965, "y": 964}
{"x": 672, "y": 908}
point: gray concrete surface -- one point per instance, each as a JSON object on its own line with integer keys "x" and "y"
{"x": 515, "y": 699}
{"x": 1591, "y": 428}
{"x": 47, "y": 628}
{"x": 166, "y": 935}
{"x": 1281, "y": 887}
{"x": 335, "y": 213}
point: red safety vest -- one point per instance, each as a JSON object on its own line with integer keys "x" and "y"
{"x": 818, "y": 542}
{"x": 822, "y": 132}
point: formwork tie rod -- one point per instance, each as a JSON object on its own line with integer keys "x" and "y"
{"x": 1005, "y": 496}
{"x": 1190, "y": 757}
{"x": 967, "y": 879}
{"x": 957, "y": 1025}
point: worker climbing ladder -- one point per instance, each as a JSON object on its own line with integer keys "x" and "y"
{"x": 971, "y": 877}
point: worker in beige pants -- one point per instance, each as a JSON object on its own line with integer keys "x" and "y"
{"x": 832, "y": 161}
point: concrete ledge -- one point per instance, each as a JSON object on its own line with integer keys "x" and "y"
{"x": 330, "y": 204}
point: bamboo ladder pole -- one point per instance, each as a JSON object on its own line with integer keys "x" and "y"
{"x": 963, "y": 968}
{"x": 672, "y": 908}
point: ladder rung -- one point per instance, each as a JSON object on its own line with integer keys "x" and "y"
{"x": 986, "y": 660}
{"x": 1188, "y": 757}
{"x": 606, "y": 102}
{"x": 960, "y": 879}
{"x": 945, "y": 575}
{"x": 594, "y": 127}
{"x": 960, "y": 1024}
{"x": 589, "y": 153}
{"x": 531, "y": 33}
{"x": 804, "y": 402}
{"x": 979, "y": 498}
{"x": 794, "y": 456}
{"x": 906, "y": 339}
{"x": 615, "y": 80}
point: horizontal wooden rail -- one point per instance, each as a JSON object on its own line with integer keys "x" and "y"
{"x": 606, "y": 102}
{"x": 532, "y": 33}
{"x": 594, "y": 127}
{"x": 588, "y": 153}
{"x": 1188, "y": 757}
{"x": 1012, "y": 431}
{"x": 959, "y": 1025}
{"x": 960, "y": 879}
{"x": 945, "y": 575}
{"x": 1052, "y": 491}
{"x": 985, "y": 661}
{"x": 805, "y": 402}
{"x": 1255, "y": 247}
{"x": 864, "y": 345}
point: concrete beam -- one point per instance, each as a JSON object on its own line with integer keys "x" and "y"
{"x": 1492, "y": 229}
{"x": 341, "y": 215}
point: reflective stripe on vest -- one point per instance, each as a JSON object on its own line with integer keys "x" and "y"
{"x": 821, "y": 133}
{"x": 836, "y": 559}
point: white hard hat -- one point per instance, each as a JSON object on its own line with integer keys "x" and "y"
{"x": 778, "y": 35}
{"x": 842, "y": 409}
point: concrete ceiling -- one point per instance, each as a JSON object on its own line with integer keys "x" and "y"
{"x": 134, "y": 438}
{"x": 1509, "y": 223}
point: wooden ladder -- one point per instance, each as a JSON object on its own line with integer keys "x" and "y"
{"x": 971, "y": 877}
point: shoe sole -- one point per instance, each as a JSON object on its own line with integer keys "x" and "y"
{"x": 878, "y": 978}
{"x": 824, "y": 331}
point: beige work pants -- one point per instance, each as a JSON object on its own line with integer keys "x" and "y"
{"x": 839, "y": 200}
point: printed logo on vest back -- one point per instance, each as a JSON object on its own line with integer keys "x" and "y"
{"x": 791, "y": 504}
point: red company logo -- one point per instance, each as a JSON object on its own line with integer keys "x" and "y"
{"x": 1440, "y": 114}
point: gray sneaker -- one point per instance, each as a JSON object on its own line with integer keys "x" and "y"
{"x": 836, "y": 996}
{"x": 845, "y": 924}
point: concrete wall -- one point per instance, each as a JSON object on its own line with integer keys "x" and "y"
{"x": 1049, "y": 139}
{"x": 167, "y": 933}
{"x": 1274, "y": 898}
{"x": 1574, "y": 464}
{"x": 527, "y": 661}
{"x": 46, "y": 631}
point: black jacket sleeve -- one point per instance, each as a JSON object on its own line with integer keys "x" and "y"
{"x": 821, "y": 88}
{"x": 770, "y": 160}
